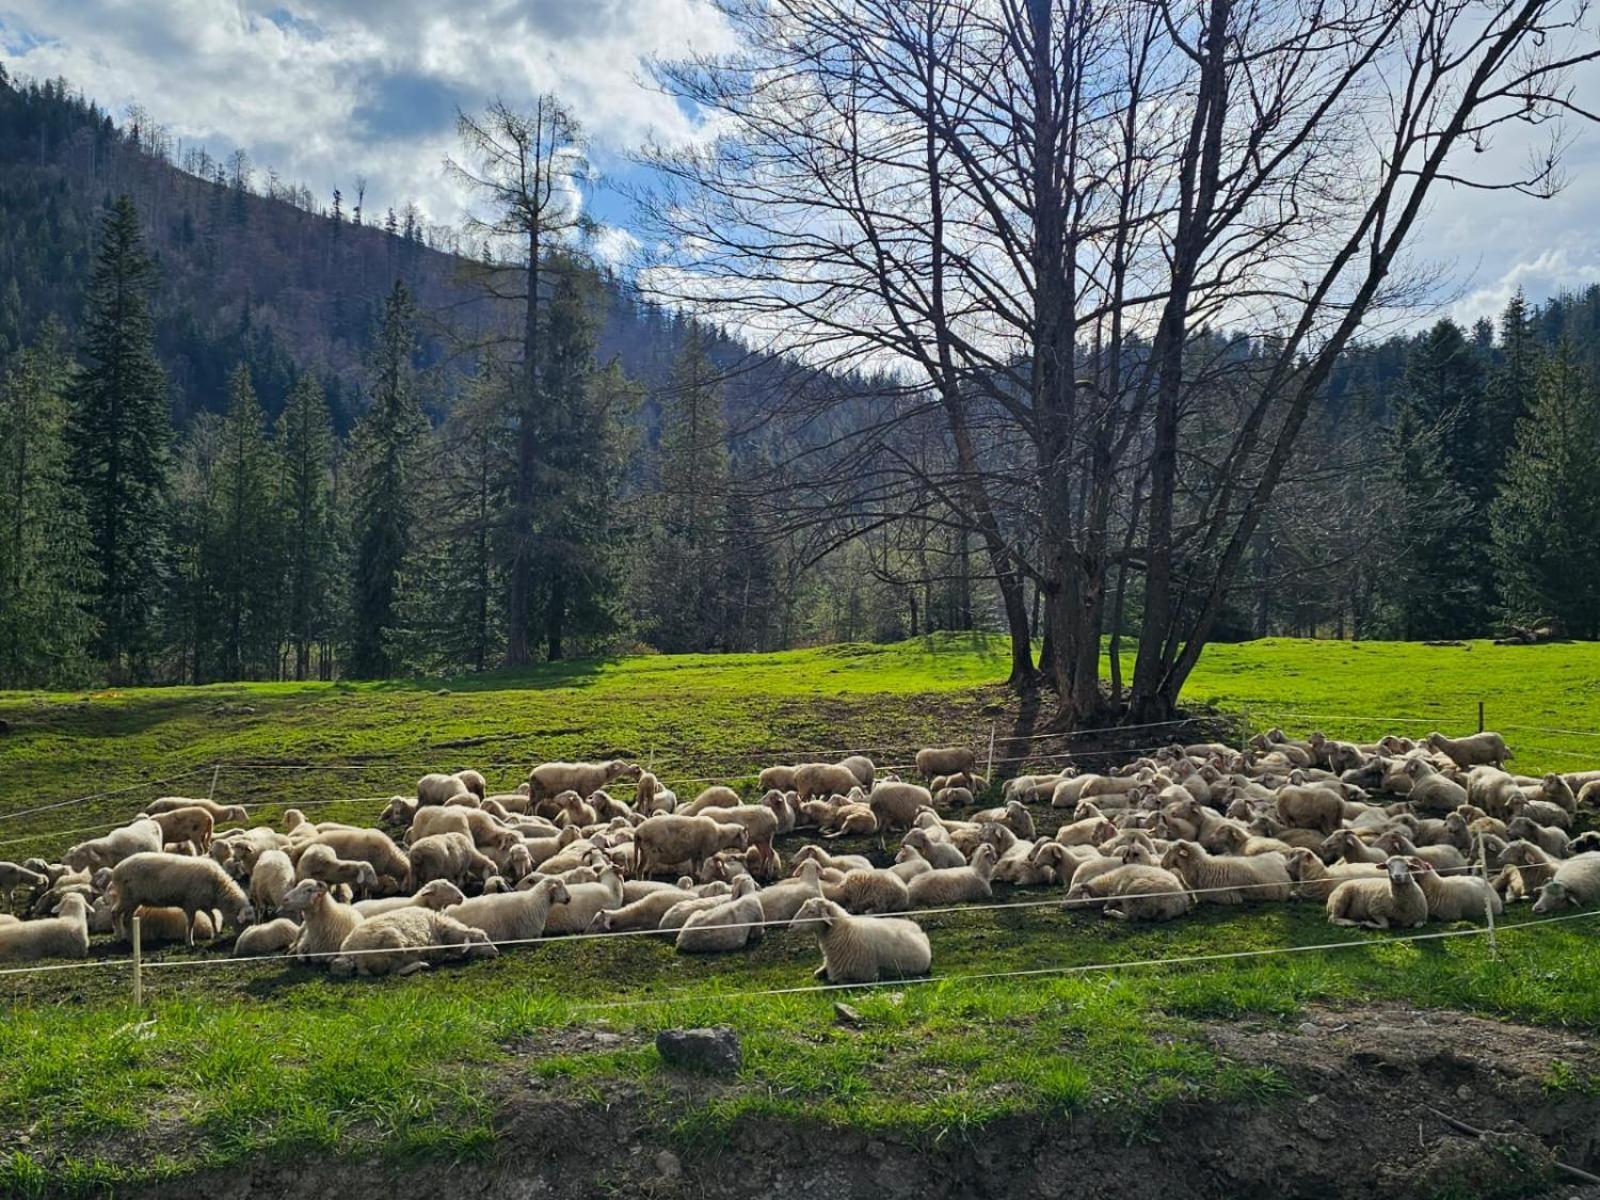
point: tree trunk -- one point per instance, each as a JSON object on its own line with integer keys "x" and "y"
{"x": 519, "y": 651}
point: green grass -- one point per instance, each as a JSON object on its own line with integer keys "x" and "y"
{"x": 233, "y": 1061}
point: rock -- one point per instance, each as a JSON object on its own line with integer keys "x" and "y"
{"x": 843, "y": 1014}
{"x": 668, "y": 1166}
{"x": 714, "y": 1051}
{"x": 608, "y": 1039}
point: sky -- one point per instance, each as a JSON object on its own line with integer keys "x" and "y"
{"x": 328, "y": 90}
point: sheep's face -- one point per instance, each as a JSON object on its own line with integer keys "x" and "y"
{"x": 247, "y": 915}
{"x": 818, "y": 913}
{"x": 1553, "y": 897}
{"x": 1397, "y": 869}
{"x": 303, "y": 896}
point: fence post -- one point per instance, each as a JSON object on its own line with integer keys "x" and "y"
{"x": 1244, "y": 733}
{"x": 651, "y": 764}
{"x": 138, "y": 967}
{"x": 215, "y": 771}
{"x": 989, "y": 774}
{"x": 1488, "y": 898}
{"x": 1480, "y": 716}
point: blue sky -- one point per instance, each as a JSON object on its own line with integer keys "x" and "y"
{"x": 329, "y": 90}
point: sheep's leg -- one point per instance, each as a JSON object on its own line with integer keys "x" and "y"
{"x": 821, "y": 972}
{"x": 189, "y": 915}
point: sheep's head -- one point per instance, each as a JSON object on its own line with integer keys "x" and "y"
{"x": 1398, "y": 869}
{"x": 440, "y": 894}
{"x": 820, "y": 914}
{"x": 1298, "y": 863}
{"x": 556, "y": 892}
{"x": 1137, "y": 852}
{"x": 1178, "y": 854}
{"x": 911, "y": 854}
{"x": 1553, "y": 897}
{"x": 303, "y": 896}
{"x": 617, "y": 769}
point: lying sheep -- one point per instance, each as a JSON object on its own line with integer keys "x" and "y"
{"x": 858, "y": 950}
{"x": 1576, "y": 885}
{"x": 166, "y": 880}
{"x": 1479, "y": 749}
{"x": 1525, "y": 868}
{"x": 949, "y": 760}
{"x": 549, "y": 779}
{"x": 1216, "y": 880}
{"x": 939, "y": 852}
{"x": 65, "y": 935}
{"x": 839, "y": 862}
{"x": 729, "y": 926}
{"x": 1394, "y": 902}
{"x": 142, "y": 836}
{"x": 1431, "y": 791}
{"x": 406, "y": 941}
{"x": 870, "y": 891}
{"x": 1310, "y": 808}
{"x": 1133, "y": 892}
{"x": 1315, "y": 881}
{"x": 438, "y": 895}
{"x": 577, "y": 912}
{"x": 710, "y": 896}
{"x": 1457, "y": 898}
{"x": 955, "y": 885}
{"x": 644, "y": 913}
{"x": 270, "y": 937}
{"x": 512, "y": 916}
{"x": 325, "y": 922}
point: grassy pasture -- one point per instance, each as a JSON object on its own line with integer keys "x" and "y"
{"x": 234, "y": 1060}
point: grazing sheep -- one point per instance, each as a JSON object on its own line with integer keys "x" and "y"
{"x": 949, "y": 760}
{"x": 861, "y": 767}
{"x": 1395, "y": 901}
{"x": 895, "y": 805}
{"x": 220, "y": 813}
{"x": 1217, "y": 880}
{"x": 823, "y": 779}
{"x": 1132, "y": 892}
{"x": 955, "y": 885}
{"x": 271, "y": 877}
{"x": 577, "y": 912}
{"x": 449, "y": 856}
{"x": 408, "y": 940}
{"x": 668, "y": 839}
{"x": 512, "y": 916}
{"x": 141, "y": 837}
{"x": 320, "y": 862}
{"x": 729, "y": 926}
{"x": 65, "y": 935}
{"x": 270, "y": 937}
{"x": 167, "y": 880}
{"x": 759, "y": 821}
{"x": 869, "y": 891}
{"x": 1479, "y": 749}
{"x": 856, "y": 950}
{"x": 14, "y": 879}
{"x": 369, "y": 846}
{"x": 438, "y": 895}
{"x": 1576, "y": 885}
{"x": 1458, "y": 898}
{"x": 549, "y": 779}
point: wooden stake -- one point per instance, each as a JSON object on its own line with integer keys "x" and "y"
{"x": 138, "y": 968}
{"x": 989, "y": 774}
{"x": 215, "y": 771}
{"x": 1488, "y": 897}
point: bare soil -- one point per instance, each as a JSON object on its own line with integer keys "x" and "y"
{"x": 1358, "y": 1120}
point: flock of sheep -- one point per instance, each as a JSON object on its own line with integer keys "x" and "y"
{"x": 1390, "y": 834}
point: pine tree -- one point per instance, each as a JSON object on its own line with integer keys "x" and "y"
{"x": 119, "y": 433}
{"x": 311, "y": 544}
{"x": 1546, "y": 520}
{"x": 46, "y": 556}
{"x": 247, "y": 567}
{"x": 1514, "y": 380}
{"x": 192, "y": 615}
{"x": 386, "y": 443}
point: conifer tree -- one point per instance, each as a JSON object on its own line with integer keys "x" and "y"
{"x": 119, "y": 433}
{"x": 47, "y": 568}
{"x": 247, "y": 565}
{"x": 311, "y": 543}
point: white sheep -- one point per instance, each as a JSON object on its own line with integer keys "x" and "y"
{"x": 271, "y": 877}
{"x": 728, "y": 926}
{"x": 65, "y": 935}
{"x": 549, "y": 779}
{"x": 577, "y": 912}
{"x": 1576, "y": 885}
{"x": 1472, "y": 751}
{"x": 408, "y": 940}
{"x": 949, "y": 760}
{"x": 864, "y": 949}
{"x": 512, "y": 916}
{"x": 438, "y": 894}
{"x": 270, "y": 937}
{"x": 168, "y": 880}
{"x": 1395, "y": 901}
{"x": 326, "y": 922}
{"x": 668, "y": 839}
{"x": 321, "y": 862}
{"x": 142, "y": 836}
{"x": 955, "y": 885}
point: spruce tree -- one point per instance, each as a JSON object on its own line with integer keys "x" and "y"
{"x": 119, "y": 432}
{"x": 46, "y": 556}
{"x": 386, "y": 442}
{"x": 1546, "y": 520}
{"x": 247, "y": 567}
{"x": 192, "y": 615}
{"x": 310, "y": 554}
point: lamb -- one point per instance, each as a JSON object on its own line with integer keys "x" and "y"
{"x": 955, "y": 885}
{"x": 271, "y": 877}
{"x": 938, "y": 851}
{"x": 665, "y": 840}
{"x": 1314, "y": 881}
{"x": 192, "y": 884}
{"x": 326, "y": 922}
{"x": 1228, "y": 880}
{"x": 1576, "y": 885}
{"x": 220, "y": 813}
{"x": 822, "y": 779}
{"x": 438, "y": 895}
{"x": 650, "y": 797}
{"x": 895, "y": 805}
{"x": 191, "y": 824}
{"x": 449, "y": 856}
{"x": 728, "y": 926}
{"x": 954, "y": 797}
{"x": 320, "y": 862}
{"x": 870, "y": 891}
{"x": 65, "y": 935}
{"x": 573, "y": 809}
{"x": 408, "y": 940}
{"x": 1442, "y": 857}
{"x": 1551, "y": 841}
{"x": 951, "y": 760}
{"x": 908, "y": 864}
{"x": 855, "y": 950}
{"x": 1395, "y": 901}
{"x": 1133, "y": 893}
{"x": 369, "y": 846}
{"x": 512, "y": 916}
{"x": 142, "y": 836}
{"x": 548, "y": 779}
{"x": 577, "y": 912}
{"x": 1480, "y": 748}
{"x": 270, "y": 937}
{"x": 1458, "y": 898}
{"x": 1431, "y": 791}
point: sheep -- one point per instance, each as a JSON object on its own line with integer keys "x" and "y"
{"x": 161, "y": 926}
{"x": 938, "y": 852}
{"x": 1133, "y": 892}
{"x": 840, "y": 862}
{"x": 869, "y": 891}
{"x": 548, "y": 779}
{"x": 320, "y": 862}
{"x": 1554, "y": 789}
{"x": 1030, "y": 789}
{"x": 1542, "y": 812}
{"x": 1525, "y": 868}
{"x": 674, "y": 918}
{"x": 861, "y": 767}
{"x": 1479, "y": 749}
{"x": 191, "y": 824}
{"x": 776, "y": 779}
{"x": 142, "y": 836}
{"x": 220, "y": 813}
{"x": 908, "y": 864}
{"x": 1431, "y": 791}
{"x": 950, "y": 760}
{"x": 401, "y": 811}
{"x": 664, "y": 840}
{"x": 759, "y": 821}
{"x": 408, "y": 940}
{"x": 271, "y": 877}
{"x": 1232, "y": 839}
{"x": 1492, "y": 790}
{"x": 325, "y": 922}
{"x": 1395, "y": 901}
{"x": 65, "y": 935}
{"x": 270, "y": 937}
{"x": 895, "y": 805}
{"x": 1310, "y": 808}
{"x": 1218, "y": 880}
{"x": 822, "y": 779}
{"x": 573, "y": 809}
{"x": 369, "y": 846}
{"x": 512, "y": 916}
{"x": 577, "y": 912}
{"x": 1584, "y": 842}
{"x": 955, "y": 885}
{"x": 448, "y": 856}
{"x": 855, "y": 950}
{"x": 192, "y": 884}
{"x": 1442, "y": 857}
{"x": 1314, "y": 881}
{"x": 852, "y": 820}
{"x": 729, "y": 926}
{"x": 954, "y": 797}
{"x": 1551, "y": 841}
{"x": 14, "y": 879}
{"x": 437, "y": 789}
{"x": 439, "y": 894}
{"x": 644, "y": 913}
{"x": 1458, "y": 898}
{"x": 1576, "y": 884}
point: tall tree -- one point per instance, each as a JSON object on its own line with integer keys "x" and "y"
{"x": 192, "y": 616}
{"x": 47, "y": 564}
{"x": 385, "y": 447}
{"x": 247, "y": 565}
{"x": 1546, "y": 520}
{"x": 311, "y": 544}
{"x": 119, "y": 433}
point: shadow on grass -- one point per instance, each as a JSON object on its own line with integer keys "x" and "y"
{"x": 569, "y": 673}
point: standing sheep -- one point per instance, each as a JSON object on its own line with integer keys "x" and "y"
{"x": 168, "y": 880}
{"x": 326, "y": 922}
{"x": 271, "y": 877}
{"x": 142, "y": 836}
{"x": 950, "y": 760}
{"x": 864, "y": 950}
{"x": 667, "y": 840}
{"x": 823, "y": 780}
{"x": 449, "y": 856}
{"x": 1479, "y": 749}
{"x": 548, "y": 779}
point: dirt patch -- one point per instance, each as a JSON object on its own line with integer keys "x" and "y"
{"x": 1357, "y": 1119}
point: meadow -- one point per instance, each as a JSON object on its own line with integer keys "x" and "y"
{"x": 231, "y": 1060}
